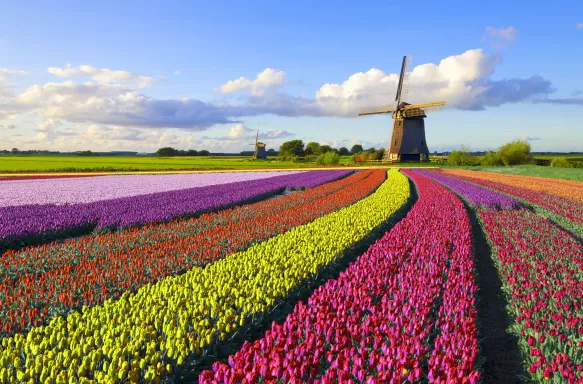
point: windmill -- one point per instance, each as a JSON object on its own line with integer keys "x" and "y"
{"x": 259, "y": 148}
{"x": 408, "y": 139}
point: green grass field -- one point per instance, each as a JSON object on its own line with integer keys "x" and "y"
{"x": 137, "y": 163}
{"x": 570, "y": 158}
{"x": 20, "y": 164}
{"x": 575, "y": 174}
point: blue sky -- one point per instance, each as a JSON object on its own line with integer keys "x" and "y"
{"x": 172, "y": 51}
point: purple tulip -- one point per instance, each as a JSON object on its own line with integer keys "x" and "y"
{"x": 20, "y": 222}
{"x": 91, "y": 189}
{"x": 476, "y": 195}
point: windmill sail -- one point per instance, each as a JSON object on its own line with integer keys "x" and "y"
{"x": 388, "y": 108}
{"x": 398, "y": 98}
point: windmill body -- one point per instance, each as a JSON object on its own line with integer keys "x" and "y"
{"x": 407, "y": 142}
{"x": 259, "y": 152}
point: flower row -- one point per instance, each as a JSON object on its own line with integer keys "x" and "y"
{"x": 19, "y": 223}
{"x": 542, "y": 270}
{"x": 373, "y": 323}
{"x": 77, "y": 190}
{"x": 476, "y": 195}
{"x": 564, "y": 188}
{"x": 563, "y": 207}
{"x": 47, "y": 257}
{"x": 88, "y": 271}
{"x": 144, "y": 334}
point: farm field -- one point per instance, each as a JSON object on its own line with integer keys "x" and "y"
{"x": 416, "y": 275}
{"x": 137, "y": 163}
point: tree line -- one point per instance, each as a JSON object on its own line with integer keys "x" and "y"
{"x": 298, "y": 148}
{"x": 293, "y": 150}
{"x": 171, "y": 152}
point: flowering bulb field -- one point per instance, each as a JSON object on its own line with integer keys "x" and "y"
{"x": 564, "y": 188}
{"x": 22, "y": 222}
{"x": 562, "y": 209}
{"x": 102, "y": 266}
{"x": 373, "y": 277}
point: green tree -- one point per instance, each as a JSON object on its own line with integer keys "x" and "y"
{"x": 15, "y": 150}
{"x": 325, "y": 148}
{"x": 166, "y": 152}
{"x": 515, "y": 152}
{"x": 343, "y": 151}
{"x": 292, "y": 148}
{"x": 203, "y": 152}
{"x": 192, "y": 152}
{"x": 356, "y": 148}
{"x": 313, "y": 148}
{"x": 381, "y": 153}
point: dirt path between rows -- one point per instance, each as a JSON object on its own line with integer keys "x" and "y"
{"x": 498, "y": 348}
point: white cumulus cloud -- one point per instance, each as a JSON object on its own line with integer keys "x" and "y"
{"x": 239, "y": 131}
{"x": 114, "y": 104}
{"x": 267, "y": 79}
{"x": 5, "y": 73}
{"x": 103, "y": 75}
{"x": 102, "y": 132}
{"x": 463, "y": 81}
{"x": 9, "y": 108}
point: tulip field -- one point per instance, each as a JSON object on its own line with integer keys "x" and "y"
{"x": 299, "y": 276}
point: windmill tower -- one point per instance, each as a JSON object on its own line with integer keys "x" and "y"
{"x": 259, "y": 148}
{"x": 408, "y": 139}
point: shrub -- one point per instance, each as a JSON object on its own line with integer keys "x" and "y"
{"x": 462, "y": 156}
{"x": 515, "y": 152}
{"x": 328, "y": 158}
{"x": 561, "y": 162}
{"x": 491, "y": 159}
{"x": 310, "y": 158}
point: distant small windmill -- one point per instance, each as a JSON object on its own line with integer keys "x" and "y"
{"x": 259, "y": 152}
{"x": 408, "y": 139}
